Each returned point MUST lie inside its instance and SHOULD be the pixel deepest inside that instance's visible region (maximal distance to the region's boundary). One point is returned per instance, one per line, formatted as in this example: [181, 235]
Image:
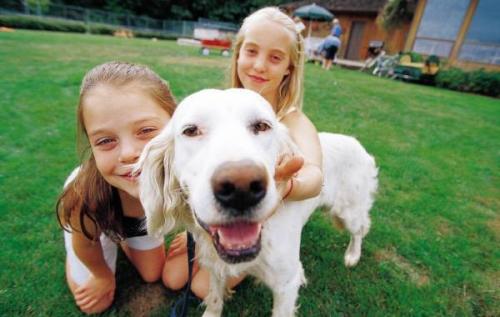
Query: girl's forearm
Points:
[91, 255]
[307, 183]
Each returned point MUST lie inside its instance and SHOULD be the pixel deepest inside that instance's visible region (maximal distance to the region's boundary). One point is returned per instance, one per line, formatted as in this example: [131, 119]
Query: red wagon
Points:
[215, 44]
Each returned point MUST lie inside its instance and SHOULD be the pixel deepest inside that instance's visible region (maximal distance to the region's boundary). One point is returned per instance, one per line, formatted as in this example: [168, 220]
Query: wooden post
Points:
[463, 30]
[417, 17]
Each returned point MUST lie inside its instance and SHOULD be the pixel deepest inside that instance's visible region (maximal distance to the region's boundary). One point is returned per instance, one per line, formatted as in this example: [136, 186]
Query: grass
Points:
[433, 248]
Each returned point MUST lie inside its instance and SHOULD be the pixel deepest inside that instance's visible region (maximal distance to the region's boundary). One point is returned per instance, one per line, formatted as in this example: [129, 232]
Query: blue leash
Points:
[183, 302]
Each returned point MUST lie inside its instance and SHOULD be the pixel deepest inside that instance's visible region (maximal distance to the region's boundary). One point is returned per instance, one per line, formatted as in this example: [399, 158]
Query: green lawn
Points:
[434, 245]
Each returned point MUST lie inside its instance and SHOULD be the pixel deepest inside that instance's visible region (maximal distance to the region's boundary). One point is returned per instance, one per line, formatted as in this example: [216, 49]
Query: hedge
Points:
[158, 35]
[42, 23]
[62, 25]
[477, 81]
[104, 29]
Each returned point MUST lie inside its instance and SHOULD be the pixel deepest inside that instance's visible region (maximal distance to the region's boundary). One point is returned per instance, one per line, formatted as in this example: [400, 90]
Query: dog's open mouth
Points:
[238, 241]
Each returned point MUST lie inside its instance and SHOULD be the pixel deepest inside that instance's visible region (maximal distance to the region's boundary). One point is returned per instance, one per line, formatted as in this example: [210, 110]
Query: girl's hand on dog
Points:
[178, 245]
[287, 167]
[94, 290]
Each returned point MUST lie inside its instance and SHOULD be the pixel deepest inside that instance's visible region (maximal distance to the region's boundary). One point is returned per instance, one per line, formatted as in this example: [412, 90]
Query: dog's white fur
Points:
[175, 189]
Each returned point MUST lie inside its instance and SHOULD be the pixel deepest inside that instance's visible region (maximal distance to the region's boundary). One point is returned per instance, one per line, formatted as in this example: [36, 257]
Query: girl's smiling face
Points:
[264, 59]
[119, 122]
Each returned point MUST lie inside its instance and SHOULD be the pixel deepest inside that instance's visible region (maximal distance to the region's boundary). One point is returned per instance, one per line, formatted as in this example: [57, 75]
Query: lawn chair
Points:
[384, 65]
[381, 65]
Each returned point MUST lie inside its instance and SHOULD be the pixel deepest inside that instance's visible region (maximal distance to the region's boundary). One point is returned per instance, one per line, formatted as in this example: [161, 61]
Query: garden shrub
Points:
[151, 34]
[453, 78]
[62, 25]
[39, 23]
[100, 28]
[483, 82]
[477, 81]
[416, 57]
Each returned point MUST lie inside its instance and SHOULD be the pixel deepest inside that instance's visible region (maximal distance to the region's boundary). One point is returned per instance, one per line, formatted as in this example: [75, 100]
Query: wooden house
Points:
[465, 33]
[358, 19]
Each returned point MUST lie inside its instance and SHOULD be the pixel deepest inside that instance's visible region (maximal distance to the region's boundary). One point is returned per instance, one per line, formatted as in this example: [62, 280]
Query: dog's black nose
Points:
[238, 186]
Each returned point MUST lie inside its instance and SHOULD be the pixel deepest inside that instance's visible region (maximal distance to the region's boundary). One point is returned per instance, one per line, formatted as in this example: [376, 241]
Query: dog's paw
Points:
[214, 307]
[353, 252]
[351, 260]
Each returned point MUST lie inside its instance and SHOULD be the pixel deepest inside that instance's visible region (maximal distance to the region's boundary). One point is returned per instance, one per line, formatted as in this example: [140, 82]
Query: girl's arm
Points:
[91, 255]
[308, 180]
[102, 281]
[87, 250]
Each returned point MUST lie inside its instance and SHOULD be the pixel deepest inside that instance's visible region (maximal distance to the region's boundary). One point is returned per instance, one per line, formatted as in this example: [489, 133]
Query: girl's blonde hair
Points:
[291, 90]
[89, 195]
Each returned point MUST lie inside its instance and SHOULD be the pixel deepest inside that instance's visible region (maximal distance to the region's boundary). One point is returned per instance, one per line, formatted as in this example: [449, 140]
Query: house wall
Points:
[393, 41]
[452, 60]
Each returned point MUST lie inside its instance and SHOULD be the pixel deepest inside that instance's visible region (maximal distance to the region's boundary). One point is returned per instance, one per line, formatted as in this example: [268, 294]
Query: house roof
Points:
[359, 6]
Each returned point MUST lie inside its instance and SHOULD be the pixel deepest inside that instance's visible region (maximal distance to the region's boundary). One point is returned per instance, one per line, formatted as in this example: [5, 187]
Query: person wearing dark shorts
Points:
[330, 52]
[328, 48]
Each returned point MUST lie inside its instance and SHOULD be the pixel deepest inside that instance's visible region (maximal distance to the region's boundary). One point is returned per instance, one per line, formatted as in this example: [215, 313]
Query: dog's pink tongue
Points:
[240, 235]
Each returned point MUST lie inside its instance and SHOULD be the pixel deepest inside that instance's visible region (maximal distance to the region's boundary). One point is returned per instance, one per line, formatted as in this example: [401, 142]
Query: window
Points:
[482, 41]
[439, 26]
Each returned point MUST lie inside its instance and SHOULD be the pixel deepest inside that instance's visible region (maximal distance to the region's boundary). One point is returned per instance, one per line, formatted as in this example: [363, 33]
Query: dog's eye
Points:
[260, 126]
[191, 131]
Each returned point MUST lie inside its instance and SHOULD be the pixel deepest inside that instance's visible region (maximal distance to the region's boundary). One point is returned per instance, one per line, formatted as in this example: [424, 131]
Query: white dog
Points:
[211, 169]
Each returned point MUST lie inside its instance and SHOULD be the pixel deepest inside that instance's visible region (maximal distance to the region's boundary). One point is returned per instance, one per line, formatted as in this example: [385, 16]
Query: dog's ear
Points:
[159, 190]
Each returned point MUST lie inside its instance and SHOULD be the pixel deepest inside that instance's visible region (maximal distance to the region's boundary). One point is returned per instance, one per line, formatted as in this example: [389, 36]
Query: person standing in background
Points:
[336, 28]
[328, 49]
[331, 45]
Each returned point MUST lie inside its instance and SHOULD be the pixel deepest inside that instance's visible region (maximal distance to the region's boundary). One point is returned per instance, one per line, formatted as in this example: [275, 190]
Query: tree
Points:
[229, 11]
[394, 14]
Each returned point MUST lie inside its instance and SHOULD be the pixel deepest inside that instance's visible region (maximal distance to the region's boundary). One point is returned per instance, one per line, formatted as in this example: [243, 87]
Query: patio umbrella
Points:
[313, 12]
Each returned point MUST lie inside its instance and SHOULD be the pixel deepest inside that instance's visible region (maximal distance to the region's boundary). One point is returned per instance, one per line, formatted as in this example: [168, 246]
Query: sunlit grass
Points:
[433, 247]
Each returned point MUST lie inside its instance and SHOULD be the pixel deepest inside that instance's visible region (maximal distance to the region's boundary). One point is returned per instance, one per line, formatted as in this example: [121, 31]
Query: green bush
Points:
[104, 29]
[483, 82]
[416, 57]
[39, 23]
[54, 24]
[453, 78]
[478, 81]
[151, 34]
[62, 25]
